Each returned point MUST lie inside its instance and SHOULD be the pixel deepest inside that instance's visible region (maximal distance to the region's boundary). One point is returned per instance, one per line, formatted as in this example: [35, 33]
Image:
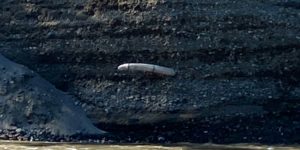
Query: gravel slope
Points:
[31, 107]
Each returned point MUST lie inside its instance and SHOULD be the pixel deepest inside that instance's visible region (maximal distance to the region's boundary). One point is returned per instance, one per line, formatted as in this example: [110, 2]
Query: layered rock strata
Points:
[234, 59]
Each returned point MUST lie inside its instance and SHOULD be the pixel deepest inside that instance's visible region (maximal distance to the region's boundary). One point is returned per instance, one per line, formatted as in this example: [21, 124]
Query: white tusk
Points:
[147, 68]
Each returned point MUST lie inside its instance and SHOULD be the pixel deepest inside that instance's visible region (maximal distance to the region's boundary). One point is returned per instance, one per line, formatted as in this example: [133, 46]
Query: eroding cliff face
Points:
[234, 59]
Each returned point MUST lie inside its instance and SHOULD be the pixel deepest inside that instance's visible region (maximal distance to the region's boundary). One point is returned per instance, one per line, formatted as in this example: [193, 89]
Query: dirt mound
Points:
[31, 105]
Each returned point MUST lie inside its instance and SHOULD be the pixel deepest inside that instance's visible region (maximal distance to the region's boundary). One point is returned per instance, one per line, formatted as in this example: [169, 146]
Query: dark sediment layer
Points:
[235, 60]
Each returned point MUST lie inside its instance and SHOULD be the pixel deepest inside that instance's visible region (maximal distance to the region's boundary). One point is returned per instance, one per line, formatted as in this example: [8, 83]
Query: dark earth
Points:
[237, 64]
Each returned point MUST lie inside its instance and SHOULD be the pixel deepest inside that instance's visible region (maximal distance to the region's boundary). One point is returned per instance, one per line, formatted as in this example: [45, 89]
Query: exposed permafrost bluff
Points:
[236, 61]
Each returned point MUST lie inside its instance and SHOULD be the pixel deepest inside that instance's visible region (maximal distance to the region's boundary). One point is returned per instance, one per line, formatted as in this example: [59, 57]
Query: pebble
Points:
[19, 130]
[3, 137]
[31, 139]
[160, 138]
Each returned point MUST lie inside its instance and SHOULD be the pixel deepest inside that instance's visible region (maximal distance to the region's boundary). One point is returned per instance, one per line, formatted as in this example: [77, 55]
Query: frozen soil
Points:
[237, 64]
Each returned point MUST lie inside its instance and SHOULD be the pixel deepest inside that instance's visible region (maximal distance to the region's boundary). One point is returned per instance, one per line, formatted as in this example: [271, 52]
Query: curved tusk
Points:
[147, 68]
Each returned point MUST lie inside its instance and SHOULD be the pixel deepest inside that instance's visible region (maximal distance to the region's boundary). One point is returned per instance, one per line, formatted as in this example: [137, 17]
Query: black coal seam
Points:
[114, 5]
[123, 56]
[285, 76]
[193, 130]
[193, 3]
[56, 6]
[32, 28]
[117, 33]
[289, 4]
[218, 55]
[138, 31]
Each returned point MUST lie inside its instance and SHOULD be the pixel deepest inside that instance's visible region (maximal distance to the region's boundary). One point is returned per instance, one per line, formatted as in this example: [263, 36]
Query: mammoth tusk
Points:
[147, 68]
